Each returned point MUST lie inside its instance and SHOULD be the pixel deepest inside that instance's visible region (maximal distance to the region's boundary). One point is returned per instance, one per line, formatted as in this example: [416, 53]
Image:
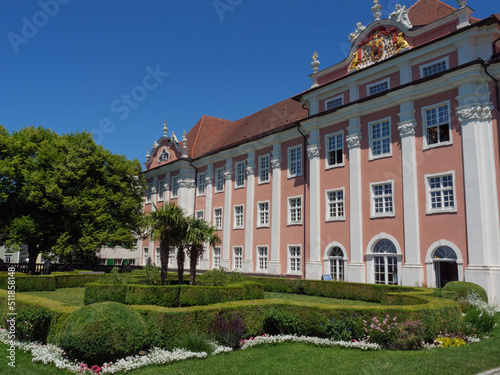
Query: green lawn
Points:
[299, 359]
[70, 296]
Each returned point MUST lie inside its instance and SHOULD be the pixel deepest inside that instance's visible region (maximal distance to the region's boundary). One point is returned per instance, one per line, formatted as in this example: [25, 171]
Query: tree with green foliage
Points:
[66, 195]
[198, 233]
[165, 224]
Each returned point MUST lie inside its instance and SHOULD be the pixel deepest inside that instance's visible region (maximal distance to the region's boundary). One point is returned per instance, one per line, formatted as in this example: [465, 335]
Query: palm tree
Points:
[198, 232]
[182, 245]
[164, 225]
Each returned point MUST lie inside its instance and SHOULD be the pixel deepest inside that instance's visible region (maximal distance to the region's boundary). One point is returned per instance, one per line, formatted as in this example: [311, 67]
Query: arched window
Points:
[336, 258]
[163, 155]
[386, 265]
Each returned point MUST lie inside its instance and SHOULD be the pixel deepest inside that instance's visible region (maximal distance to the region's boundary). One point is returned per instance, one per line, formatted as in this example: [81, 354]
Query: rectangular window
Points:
[434, 67]
[161, 190]
[441, 193]
[335, 205]
[263, 214]
[148, 194]
[145, 256]
[334, 102]
[200, 215]
[294, 258]
[216, 258]
[200, 184]
[175, 186]
[171, 257]
[238, 217]
[378, 87]
[437, 125]
[263, 169]
[382, 203]
[219, 180]
[240, 175]
[262, 257]
[238, 257]
[218, 218]
[335, 150]
[295, 210]
[295, 161]
[158, 260]
[380, 139]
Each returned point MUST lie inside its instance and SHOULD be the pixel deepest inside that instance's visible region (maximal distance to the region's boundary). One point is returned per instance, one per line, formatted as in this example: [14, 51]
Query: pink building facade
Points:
[384, 171]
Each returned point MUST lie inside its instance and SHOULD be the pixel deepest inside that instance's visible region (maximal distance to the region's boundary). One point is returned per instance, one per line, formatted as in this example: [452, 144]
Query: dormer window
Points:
[163, 155]
[434, 67]
[334, 102]
[378, 87]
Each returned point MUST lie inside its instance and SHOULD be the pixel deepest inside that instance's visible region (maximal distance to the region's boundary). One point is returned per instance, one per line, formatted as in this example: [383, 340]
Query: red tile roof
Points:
[424, 12]
[212, 134]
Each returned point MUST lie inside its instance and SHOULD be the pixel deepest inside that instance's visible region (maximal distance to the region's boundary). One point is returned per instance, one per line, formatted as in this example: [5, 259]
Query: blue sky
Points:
[122, 67]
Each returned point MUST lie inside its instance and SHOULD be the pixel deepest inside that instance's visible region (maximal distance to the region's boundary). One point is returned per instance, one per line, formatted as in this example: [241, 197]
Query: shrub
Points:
[409, 335]
[33, 324]
[479, 314]
[228, 329]
[215, 277]
[462, 287]
[339, 329]
[282, 321]
[103, 332]
[381, 331]
[196, 342]
[104, 293]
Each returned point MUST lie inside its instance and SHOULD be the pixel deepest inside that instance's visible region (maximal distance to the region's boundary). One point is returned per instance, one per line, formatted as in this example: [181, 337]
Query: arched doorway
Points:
[336, 260]
[445, 265]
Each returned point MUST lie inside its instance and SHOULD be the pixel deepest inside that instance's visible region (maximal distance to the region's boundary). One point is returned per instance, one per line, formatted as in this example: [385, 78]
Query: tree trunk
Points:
[193, 256]
[180, 265]
[164, 249]
[33, 252]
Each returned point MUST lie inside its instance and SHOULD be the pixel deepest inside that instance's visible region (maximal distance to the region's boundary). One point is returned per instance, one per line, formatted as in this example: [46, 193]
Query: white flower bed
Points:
[51, 354]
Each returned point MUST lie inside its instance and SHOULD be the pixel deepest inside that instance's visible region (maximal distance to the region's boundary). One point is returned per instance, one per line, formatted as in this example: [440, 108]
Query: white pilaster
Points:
[314, 265]
[274, 262]
[412, 271]
[249, 216]
[187, 189]
[205, 261]
[481, 196]
[228, 210]
[356, 267]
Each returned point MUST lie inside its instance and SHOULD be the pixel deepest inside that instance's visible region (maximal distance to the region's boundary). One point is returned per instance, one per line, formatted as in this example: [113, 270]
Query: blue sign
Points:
[327, 277]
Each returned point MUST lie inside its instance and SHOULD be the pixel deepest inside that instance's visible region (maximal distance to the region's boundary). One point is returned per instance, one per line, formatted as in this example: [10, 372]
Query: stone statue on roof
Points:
[354, 35]
[400, 15]
[462, 3]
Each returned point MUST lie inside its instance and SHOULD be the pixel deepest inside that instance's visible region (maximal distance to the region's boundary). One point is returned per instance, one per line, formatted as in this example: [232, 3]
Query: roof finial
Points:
[376, 10]
[147, 154]
[462, 3]
[315, 63]
[174, 138]
[165, 129]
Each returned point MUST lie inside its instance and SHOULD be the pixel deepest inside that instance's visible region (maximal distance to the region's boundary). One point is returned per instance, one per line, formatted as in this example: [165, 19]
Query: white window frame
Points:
[296, 163]
[218, 227]
[239, 175]
[264, 170]
[289, 216]
[424, 127]
[219, 178]
[328, 150]
[198, 216]
[422, 67]
[383, 154]
[239, 218]
[237, 259]
[145, 255]
[216, 257]
[262, 260]
[336, 202]
[161, 191]
[171, 257]
[157, 257]
[294, 263]
[428, 191]
[374, 214]
[201, 184]
[381, 82]
[149, 193]
[261, 224]
[174, 192]
[334, 99]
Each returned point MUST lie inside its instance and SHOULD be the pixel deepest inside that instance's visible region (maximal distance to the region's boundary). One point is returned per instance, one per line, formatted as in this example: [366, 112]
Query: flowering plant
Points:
[379, 331]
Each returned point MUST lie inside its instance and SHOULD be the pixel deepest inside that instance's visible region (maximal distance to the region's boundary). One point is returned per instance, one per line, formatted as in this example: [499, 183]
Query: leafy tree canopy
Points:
[65, 194]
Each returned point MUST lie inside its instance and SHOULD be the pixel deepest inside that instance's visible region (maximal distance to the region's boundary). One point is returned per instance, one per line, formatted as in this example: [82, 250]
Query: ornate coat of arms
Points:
[379, 45]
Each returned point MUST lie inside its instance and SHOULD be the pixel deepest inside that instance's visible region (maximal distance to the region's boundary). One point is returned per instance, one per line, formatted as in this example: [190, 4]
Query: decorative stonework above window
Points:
[164, 156]
[379, 45]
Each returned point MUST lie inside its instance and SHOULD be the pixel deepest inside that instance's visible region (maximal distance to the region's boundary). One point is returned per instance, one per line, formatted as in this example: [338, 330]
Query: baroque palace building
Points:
[383, 171]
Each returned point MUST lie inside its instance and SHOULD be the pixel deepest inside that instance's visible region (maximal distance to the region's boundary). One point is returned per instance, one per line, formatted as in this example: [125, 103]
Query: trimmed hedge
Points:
[171, 296]
[460, 288]
[331, 289]
[36, 283]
